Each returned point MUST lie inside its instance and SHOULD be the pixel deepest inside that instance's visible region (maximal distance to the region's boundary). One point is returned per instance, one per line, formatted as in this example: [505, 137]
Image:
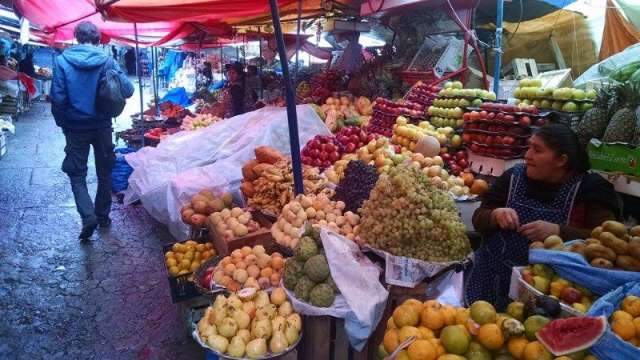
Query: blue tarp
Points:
[177, 96]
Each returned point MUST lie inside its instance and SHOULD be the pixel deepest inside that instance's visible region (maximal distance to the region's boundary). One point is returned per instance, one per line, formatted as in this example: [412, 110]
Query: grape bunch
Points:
[354, 189]
[406, 215]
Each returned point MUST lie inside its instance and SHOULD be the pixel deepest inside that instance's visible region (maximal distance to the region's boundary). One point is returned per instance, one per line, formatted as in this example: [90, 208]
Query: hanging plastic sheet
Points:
[167, 176]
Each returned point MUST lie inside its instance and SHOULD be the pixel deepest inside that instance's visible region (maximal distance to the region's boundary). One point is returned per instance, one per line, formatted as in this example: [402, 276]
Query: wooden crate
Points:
[261, 237]
[324, 338]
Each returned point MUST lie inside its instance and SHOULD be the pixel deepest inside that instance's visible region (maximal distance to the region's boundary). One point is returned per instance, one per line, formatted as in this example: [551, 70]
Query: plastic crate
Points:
[182, 287]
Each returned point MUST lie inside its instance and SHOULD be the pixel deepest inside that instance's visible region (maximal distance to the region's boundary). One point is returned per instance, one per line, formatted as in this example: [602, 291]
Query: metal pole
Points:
[156, 82]
[498, 49]
[260, 59]
[221, 63]
[139, 72]
[291, 101]
[295, 76]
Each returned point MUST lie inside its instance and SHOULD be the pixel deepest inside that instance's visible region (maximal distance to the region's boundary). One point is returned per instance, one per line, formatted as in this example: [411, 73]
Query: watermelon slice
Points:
[566, 336]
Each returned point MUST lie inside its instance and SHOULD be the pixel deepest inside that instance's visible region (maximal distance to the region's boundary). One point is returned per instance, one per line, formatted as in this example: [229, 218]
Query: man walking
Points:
[76, 74]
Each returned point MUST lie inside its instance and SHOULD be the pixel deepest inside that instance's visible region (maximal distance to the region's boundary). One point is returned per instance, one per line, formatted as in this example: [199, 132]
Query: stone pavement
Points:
[60, 299]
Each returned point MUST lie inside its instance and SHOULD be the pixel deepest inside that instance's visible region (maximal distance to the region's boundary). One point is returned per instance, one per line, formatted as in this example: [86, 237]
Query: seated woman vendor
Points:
[551, 194]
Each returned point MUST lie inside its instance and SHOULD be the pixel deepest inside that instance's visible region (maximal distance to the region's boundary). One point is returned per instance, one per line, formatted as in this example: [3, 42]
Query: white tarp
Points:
[165, 177]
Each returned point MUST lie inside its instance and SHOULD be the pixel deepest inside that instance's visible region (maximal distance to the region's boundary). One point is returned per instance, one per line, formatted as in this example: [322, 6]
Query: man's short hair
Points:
[87, 33]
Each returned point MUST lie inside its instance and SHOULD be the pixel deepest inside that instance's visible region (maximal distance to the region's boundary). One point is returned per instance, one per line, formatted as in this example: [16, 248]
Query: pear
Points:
[218, 343]
[261, 328]
[237, 347]
[294, 321]
[242, 319]
[291, 334]
[278, 342]
[245, 334]
[279, 323]
[285, 309]
[256, 348]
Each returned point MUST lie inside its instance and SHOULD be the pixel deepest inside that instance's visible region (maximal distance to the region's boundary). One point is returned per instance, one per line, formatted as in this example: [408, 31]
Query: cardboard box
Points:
[614, 157]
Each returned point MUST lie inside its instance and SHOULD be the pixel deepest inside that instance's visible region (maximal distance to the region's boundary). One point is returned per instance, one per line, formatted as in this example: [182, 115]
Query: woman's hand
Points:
[539, 230]
[506, 218]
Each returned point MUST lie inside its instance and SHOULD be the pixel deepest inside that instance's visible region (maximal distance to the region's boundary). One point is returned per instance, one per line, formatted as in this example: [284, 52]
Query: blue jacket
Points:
[75, 83]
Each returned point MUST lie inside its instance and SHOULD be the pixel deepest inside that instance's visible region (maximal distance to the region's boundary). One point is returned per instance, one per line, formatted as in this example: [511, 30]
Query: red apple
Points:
[491, 116]
[463, 163]
[350, 147]
[509, 118]
[500, 116]
[323, 155]
[525, 120]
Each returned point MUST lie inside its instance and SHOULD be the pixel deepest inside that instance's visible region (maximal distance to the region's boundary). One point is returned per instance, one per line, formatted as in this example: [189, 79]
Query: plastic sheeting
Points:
[167, 176]
[605, 67]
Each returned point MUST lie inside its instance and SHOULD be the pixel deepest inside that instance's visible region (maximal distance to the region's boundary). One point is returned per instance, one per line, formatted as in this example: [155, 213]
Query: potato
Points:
[635, 231]
[601, 263]
[611, 241]
[198, 220]
[536, 245]
[594, 251]
[187, 214]
[590, 241]
[200, 206]
[596, 232]
[628, 263]
[634, 248]
[614, 227]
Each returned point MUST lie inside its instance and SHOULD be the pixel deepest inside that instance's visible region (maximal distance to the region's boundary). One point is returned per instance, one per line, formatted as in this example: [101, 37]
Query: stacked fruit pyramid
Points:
[445, 332]
[531, 92]
[447, 109]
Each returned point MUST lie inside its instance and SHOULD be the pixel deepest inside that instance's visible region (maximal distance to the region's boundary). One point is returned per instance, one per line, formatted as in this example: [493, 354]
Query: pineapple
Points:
[623, 127]
[594, 121]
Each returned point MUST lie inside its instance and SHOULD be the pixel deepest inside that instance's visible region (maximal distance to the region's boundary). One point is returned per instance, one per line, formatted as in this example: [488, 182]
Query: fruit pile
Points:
[455, 163]
[246, 268]
[379, 152]
[445, 332]
[202, 205]
[407, 215]
[340, 112]
[545, 280]
[186, 257]
[335, 173]
[611, 246]
[613, 118]
[352, 138]
[499, 130]
[307, 273]
[231, 224]
[251, 324]
[321, 151]
[445, 117]
[422, 94]
[453, 92]
[173, 111]
[385, 113]
[315, 209]
[156, 134]
[358, 181]
[625, 321]
[408, 135]
[324, 84]
[531, 92]
[198, 121]
[268, 180]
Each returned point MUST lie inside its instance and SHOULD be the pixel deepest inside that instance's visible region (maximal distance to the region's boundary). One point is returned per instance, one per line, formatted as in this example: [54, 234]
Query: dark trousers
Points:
[75, 165]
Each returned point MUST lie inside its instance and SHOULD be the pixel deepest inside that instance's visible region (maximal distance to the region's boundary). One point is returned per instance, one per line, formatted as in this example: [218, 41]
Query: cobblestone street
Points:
[60, 299]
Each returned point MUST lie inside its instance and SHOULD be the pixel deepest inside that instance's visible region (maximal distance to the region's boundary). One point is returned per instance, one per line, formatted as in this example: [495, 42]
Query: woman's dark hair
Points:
[563, 141]
[87, 33]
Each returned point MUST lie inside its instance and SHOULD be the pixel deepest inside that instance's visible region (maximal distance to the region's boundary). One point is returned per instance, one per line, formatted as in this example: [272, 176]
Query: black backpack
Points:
[109, 98]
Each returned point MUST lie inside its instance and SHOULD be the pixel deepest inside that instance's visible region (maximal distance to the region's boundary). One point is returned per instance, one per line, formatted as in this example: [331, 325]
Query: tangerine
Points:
[406, 332]
[390, 340]
[391, 324]
[422, 350]
[462, 315]
[621, 315]
[490, 336]
[417, 304]
[636, 323]
[432, 318]
[406, 315]
[449, 314]
[631, 304]
[432, 304]
[516, 346]
[624, 328]
[536, 351]
[437, 343]
[426, 333]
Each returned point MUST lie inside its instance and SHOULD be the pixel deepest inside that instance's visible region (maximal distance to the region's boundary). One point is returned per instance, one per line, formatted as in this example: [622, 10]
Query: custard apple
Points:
[313, 233]
[317, 268]
[333, 284]
[306, 248]
[322, 295]
[303, 288]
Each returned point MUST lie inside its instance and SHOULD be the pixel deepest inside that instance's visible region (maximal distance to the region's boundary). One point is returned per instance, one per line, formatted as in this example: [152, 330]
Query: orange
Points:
[417, 304]
[406, 332]
[406, 315]
[432, 304]
[536, 351]
[624, 328]
[490, 336]
[403, 355]
[636, 323]
[621, 315]
[516, 346]
[634, 341]
[462, 315]
[391, 324]
[437, 344]
[390, 340]
[631, 304]
[426, 333]
[432, 318]
[422, 350]
[449, 314]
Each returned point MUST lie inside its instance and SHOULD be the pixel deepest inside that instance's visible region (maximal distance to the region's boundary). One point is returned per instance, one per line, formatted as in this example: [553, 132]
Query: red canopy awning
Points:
[207, 32]
[185, 10]
[57, 19]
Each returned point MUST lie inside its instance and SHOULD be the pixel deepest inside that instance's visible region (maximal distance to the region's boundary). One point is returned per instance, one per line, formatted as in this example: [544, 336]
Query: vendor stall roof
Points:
[58, 18]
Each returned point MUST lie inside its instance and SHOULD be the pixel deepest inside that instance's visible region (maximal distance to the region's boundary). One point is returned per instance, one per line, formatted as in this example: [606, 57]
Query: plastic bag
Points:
[166, 176]
[575, 268]
[362, 298]
[610, 346]
[605, 67]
